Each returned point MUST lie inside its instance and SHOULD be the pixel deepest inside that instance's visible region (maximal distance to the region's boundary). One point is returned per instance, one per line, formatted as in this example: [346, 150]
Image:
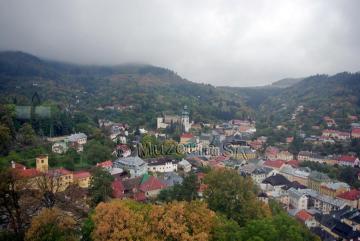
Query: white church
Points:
[167, 120]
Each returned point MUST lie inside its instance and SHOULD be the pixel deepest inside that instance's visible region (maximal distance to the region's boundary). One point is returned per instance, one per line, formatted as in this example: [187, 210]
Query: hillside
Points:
[336, 96]
[142, 91]
[287, 82]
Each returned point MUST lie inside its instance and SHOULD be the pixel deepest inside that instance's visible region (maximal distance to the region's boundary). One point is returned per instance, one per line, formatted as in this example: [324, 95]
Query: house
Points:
[316, 179]
[122, 150]
[285, 155]
[151, 186]
[329, 121]
[105, 164]
[355, 133]
[333, 189]
[134, 165]
[295, 174]
[161, 164]
[82, 178]
[184, 165]
[306, 218]
[59, 147]
[260, 173]
[352, 198]
[185, 138]
[271, 153]
[170, 179]
[79, 138]
[274, 184]
[62, 178]
[311, 156]
[347, 160]
[297, 200]
[276, 164]
[323, 203]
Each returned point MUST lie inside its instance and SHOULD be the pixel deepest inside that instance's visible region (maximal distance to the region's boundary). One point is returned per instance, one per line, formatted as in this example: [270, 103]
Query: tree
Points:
[27, 134]
[100, 185]
[9, 200]
[128, 220]
[281, 227]
[5, 139]
[234, 196]
[52, 225]
[187, 191]
[95, 152]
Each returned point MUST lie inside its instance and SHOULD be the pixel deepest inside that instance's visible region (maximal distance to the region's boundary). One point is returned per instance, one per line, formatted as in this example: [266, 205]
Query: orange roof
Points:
[104, 164]
[186, 135]
[274, 164]
[303, 215]
[81, 174]
[152, 183]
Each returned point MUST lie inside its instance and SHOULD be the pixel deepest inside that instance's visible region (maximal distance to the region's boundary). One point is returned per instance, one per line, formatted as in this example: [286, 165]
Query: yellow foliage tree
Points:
[127, 220]
[52, 224]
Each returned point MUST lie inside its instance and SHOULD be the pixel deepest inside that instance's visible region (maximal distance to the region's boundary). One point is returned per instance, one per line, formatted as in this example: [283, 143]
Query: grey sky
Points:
[238, 43]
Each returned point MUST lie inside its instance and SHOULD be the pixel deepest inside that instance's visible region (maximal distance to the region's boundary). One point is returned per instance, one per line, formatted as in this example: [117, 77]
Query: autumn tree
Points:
[234, 196]
[120, 220]
[128, 220]
[100, 185]
[52, 224]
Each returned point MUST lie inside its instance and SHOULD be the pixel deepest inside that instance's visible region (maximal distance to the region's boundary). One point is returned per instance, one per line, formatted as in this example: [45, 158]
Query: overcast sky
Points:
[237, 43]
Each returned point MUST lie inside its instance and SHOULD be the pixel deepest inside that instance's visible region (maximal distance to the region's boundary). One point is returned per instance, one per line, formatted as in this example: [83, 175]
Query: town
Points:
[328, 206]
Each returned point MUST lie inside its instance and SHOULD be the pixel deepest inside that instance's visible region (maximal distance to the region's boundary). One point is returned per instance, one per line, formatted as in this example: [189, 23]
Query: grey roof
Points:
[76, 136]
[170, 178]
[319, 176]
[327, 199]
[131, 161]
[184, 162]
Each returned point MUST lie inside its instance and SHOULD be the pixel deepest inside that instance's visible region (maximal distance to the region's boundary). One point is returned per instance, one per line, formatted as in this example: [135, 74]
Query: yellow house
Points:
[82, 178]
[333, 189]
[42, 163]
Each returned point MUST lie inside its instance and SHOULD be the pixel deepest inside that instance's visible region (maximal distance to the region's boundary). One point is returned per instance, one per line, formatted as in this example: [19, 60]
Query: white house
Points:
[297, 200]
[184, 165]
[134, 165]
[161, 165]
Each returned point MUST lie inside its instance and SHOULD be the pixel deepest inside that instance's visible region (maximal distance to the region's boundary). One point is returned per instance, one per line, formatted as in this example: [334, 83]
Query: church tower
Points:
[185, 119]
[42, 163]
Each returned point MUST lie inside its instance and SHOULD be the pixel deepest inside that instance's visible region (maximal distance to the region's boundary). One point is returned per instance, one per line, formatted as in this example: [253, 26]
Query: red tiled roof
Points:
[29, 173]
[118, 189]
[81, 174]
[303, 215]
[293, 163]
[186, 135]
[274, 164]
[351, 195]
[355, 131]
[59, 171]
[202, 187]
[139, 196]
[152, 183]
[104, 164]
[19, 166]
[345, 158]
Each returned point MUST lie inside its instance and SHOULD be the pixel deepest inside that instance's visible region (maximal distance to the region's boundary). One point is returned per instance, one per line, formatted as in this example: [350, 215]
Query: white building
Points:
[297, 200]
[134, 165]
[184, 165]
[78, 138]
[161, 165]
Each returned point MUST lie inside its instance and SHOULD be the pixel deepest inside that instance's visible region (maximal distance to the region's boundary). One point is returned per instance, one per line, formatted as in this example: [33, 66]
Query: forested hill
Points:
[336, 96]
[142, 91]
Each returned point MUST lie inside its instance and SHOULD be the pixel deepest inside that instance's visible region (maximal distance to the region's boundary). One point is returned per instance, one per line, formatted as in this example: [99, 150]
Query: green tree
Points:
[27, 135]
[5, 139]
[95, 151]
[100, 185]
[234, 196]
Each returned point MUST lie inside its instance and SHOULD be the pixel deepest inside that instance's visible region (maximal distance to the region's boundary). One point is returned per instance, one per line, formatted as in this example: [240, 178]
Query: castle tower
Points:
[42, 163]
[185, 119]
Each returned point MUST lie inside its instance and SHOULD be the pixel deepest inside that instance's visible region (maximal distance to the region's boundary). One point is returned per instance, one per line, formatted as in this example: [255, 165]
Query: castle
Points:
[167, 120]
